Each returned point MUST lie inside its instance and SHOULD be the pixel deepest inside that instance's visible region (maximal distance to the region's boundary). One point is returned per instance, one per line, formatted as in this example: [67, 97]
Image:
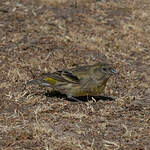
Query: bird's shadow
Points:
[80, 98]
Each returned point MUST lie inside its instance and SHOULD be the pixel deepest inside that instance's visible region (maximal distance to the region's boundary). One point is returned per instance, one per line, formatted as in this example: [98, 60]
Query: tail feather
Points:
[38, 82]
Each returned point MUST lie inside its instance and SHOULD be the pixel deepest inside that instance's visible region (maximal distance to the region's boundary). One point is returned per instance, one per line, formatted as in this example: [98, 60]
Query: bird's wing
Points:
[70, 77]
[62, 76]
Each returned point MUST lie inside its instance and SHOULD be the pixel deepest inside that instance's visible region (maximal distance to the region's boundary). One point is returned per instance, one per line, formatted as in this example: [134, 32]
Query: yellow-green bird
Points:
[80, 81]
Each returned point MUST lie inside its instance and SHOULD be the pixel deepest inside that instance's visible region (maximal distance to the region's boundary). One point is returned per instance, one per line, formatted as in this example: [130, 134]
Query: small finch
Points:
[80, 81]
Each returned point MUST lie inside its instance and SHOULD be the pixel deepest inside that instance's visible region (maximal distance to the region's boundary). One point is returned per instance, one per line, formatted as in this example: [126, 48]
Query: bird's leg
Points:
[87, 97]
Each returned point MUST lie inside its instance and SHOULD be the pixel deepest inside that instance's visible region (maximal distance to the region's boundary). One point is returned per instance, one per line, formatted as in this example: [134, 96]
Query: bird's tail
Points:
[38, 82]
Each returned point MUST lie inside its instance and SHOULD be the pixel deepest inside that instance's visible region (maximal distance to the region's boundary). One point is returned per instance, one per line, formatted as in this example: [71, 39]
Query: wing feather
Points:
[62, 76]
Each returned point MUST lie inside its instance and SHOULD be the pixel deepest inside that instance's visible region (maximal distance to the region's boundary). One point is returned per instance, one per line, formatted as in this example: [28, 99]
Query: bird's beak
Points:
[113, 71]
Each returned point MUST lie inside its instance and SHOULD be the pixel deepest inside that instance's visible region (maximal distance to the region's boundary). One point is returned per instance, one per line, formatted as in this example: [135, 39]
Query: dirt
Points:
[44, 36]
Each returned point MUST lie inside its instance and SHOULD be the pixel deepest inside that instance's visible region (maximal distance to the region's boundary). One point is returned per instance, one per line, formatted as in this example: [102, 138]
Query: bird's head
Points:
[104, 70]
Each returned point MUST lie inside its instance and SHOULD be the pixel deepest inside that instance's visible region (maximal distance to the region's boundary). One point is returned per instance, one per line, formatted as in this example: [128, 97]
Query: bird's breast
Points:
[94, 90]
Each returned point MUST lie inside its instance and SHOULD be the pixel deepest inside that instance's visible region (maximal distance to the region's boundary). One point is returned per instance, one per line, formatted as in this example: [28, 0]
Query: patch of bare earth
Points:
[40, 36]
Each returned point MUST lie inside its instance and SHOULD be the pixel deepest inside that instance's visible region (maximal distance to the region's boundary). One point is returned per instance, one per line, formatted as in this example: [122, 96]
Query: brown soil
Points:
[37, 36]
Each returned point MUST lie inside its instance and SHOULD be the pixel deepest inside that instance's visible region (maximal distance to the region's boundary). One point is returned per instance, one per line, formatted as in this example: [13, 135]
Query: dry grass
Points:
[40, 36]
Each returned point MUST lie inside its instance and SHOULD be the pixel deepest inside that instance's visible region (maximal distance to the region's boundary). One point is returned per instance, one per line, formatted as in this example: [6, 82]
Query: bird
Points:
[88, 80]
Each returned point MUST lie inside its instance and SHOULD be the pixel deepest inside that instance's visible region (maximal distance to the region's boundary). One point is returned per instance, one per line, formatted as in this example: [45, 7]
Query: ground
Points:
[37, 36]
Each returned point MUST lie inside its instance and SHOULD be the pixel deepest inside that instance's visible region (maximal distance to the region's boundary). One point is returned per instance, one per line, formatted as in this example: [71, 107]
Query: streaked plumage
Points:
[80, 81]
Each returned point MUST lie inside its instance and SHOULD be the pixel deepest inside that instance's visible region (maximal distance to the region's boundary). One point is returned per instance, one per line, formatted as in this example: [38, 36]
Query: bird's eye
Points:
[104, 69]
